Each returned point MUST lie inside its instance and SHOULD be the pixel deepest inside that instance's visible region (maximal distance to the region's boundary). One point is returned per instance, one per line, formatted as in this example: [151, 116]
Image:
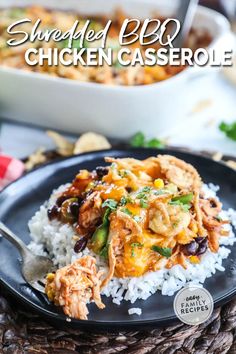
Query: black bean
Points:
[191, 248]
[101, 171]
[81, 244]
[53, 212]
[80, 201]
[202, 249]
[199, 239]
[74, 208]
[213, 203]
[128, 189]
[61, 199]
[205, 241]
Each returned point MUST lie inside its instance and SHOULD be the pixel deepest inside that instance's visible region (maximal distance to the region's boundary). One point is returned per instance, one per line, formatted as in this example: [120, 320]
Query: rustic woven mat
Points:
[22, 332]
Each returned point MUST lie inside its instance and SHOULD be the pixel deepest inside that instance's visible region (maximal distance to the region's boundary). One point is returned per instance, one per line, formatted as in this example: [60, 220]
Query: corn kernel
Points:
[83, 174]
[50, 276]
[158, 183]
[194, 259]
[182, 233]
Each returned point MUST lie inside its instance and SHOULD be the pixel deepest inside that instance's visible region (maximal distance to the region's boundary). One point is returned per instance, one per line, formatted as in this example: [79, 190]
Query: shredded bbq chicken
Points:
[74, 286]
[186, 177]
[90, 211]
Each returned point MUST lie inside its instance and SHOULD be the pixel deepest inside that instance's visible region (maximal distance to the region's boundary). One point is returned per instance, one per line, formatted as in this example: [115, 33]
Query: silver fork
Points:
[185, 15]
[33, 268]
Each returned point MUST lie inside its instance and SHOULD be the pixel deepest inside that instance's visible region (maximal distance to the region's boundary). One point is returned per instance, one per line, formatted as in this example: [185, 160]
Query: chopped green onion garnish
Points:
[126, 211]
[133, 246]
[146, 189]
[143, 203]
[164, 251]
[126, 200]
[110, 203]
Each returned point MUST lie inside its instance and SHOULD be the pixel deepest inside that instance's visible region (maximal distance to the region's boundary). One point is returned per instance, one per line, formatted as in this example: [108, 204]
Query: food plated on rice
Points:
[129, 229]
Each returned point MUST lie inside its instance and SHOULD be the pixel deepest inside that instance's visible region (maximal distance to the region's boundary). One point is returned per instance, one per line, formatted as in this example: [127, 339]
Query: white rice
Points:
[58, 240]
[135, 311]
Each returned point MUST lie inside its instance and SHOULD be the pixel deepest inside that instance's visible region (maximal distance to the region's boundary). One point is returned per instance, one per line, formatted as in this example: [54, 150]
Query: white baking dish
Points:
[116, 111]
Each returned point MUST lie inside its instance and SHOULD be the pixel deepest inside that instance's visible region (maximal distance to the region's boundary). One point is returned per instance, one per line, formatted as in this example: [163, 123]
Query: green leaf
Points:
[164, 251]
[110, 203]
[185, 207]
[155, 143]
[183, 199]
[138, 140]
[229, 129]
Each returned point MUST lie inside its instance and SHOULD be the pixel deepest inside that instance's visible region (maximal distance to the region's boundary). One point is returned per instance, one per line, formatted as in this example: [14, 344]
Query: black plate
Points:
[20, 200]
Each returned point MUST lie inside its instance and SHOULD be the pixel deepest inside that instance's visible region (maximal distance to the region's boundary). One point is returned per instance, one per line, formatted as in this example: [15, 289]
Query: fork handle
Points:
[15, 240]
[185, 15]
